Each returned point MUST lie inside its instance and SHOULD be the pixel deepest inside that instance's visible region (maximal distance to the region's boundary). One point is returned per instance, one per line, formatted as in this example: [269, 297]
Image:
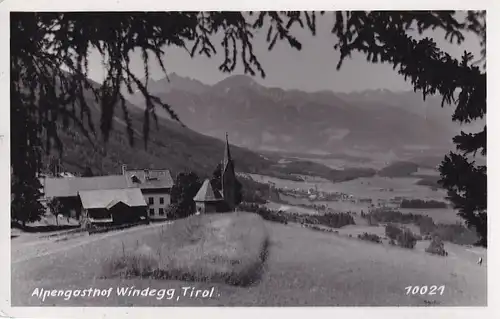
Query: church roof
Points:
[207, 193]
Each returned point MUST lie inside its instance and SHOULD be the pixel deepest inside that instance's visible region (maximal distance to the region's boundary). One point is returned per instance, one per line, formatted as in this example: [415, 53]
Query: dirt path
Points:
[304, 268]
[41, 246]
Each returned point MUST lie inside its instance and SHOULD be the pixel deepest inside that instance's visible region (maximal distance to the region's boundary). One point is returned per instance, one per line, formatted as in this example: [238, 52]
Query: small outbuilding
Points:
[113, 206]
[208, 200]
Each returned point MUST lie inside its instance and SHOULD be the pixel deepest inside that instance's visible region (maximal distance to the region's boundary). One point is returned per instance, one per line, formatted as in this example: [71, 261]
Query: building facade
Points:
[155, 185]
[158, 202]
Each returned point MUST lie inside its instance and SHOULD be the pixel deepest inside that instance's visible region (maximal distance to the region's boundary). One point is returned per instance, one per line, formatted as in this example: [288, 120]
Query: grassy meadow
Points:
[304, 268]
[220, 247]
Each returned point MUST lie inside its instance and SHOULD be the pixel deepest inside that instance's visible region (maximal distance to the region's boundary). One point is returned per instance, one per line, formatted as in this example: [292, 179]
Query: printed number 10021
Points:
[424, 290]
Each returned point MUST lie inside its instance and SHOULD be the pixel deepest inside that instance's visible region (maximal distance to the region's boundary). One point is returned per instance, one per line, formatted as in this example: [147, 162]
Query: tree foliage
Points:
[50, 86]
[55, 206]
[25, 204]
[383, 37]
[406, 239]
[184, 190]
[88, 172]
[436, 247]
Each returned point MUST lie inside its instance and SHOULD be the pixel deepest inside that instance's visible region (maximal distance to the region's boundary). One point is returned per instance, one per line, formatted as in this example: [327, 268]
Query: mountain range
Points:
[263, 118]
[174, 147]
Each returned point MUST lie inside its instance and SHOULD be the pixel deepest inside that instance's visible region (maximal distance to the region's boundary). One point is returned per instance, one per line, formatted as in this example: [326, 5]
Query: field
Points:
[304, 268]
[376, 188]
[373, 187]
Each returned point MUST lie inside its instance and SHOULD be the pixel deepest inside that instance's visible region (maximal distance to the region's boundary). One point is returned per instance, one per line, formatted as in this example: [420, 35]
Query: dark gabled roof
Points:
[158, 178]
[207, 193]
[70, 186]
[108, 198]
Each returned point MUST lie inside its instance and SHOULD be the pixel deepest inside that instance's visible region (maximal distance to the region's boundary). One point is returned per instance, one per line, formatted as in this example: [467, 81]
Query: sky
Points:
[311, 69]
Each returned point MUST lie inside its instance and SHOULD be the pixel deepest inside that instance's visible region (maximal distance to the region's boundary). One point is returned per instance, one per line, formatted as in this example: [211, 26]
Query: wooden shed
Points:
[113, 206]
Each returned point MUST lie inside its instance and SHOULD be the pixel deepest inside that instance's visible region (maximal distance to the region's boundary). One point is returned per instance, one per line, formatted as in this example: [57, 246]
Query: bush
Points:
[436, 247]
[392, 231]
[175, 211]
[456, 233]
[370, 237]
[388, 215]
[265, 213]
[419, 203]
[334, 220]
[406, 239]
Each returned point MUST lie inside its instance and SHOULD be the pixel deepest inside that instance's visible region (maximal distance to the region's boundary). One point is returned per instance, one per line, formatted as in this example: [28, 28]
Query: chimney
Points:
[124, 169]
[146, 173]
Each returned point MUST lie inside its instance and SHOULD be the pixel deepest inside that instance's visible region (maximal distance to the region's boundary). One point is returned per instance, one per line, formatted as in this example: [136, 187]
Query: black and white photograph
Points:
[248, 158]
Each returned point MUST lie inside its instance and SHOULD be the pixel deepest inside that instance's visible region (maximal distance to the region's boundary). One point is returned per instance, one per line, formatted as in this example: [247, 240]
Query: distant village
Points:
[313, 195]
[135, 195]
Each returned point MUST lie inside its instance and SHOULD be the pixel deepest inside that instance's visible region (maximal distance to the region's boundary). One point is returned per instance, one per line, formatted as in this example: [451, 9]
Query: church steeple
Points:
[228, 177]
[227, 154]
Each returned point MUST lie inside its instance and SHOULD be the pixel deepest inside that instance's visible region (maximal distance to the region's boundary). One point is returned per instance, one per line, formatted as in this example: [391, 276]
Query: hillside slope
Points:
[169, 146]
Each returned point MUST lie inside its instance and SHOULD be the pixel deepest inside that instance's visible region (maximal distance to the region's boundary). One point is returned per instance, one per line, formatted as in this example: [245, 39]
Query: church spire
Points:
[228, 177]
[227, 154]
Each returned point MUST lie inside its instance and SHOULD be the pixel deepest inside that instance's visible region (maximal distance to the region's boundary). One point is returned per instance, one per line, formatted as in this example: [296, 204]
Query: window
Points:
[161, 200]
[135, 179]
[151, 212]
[161, 212]
[151, 201]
